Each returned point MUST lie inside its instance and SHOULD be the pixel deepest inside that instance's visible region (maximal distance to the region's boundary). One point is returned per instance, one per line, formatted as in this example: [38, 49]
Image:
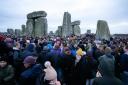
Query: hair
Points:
[108, 50]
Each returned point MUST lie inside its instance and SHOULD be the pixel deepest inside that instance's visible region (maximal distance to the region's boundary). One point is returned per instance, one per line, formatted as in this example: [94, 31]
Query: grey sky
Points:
[115, 12]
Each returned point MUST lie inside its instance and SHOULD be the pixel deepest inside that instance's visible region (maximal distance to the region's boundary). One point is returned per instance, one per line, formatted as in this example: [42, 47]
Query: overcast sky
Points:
[115, 12]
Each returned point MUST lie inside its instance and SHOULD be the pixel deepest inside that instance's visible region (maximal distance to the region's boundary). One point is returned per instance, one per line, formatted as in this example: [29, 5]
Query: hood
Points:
[30, 47]
[106, 66]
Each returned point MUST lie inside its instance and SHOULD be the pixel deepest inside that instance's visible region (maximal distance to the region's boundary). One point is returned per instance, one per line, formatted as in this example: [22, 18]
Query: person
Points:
[54, 58]
[67, 66]
[31, 73]
[124, 65]
[50, 74]
[106, 69]
[29, 51]
[6, 72]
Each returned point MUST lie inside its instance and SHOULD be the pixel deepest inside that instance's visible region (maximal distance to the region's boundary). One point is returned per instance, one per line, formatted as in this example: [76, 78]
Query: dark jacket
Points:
[7, 75]
[29, 76]
[124, 62]
[29, 51]
[68, 67]
[106, 68]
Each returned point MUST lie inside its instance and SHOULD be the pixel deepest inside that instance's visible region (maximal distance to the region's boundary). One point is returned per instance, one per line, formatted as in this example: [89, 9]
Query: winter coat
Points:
[43, 56]
[7, 75]
[124, 62]
[106, 68]
[68, 67]
[54, 57]
[29, 51]
[29, 76]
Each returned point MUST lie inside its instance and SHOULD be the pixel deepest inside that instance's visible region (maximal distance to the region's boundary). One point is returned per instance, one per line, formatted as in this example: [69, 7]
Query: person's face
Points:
[125, 50]
[3, 64]
[26, 65]
[68, 52]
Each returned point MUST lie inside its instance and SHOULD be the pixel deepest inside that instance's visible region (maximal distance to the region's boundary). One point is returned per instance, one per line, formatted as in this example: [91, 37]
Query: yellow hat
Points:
[79, 52]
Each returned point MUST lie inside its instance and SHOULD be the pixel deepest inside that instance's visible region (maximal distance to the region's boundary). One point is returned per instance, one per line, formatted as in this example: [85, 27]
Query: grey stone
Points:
[36, 14]
[51, 33]
[67, 28]
[57, 33]
[29, 27]
[40, 27]
[23, 30]
[60, 31]
[76, 23]
[10, 31]
[76, 28]
[17, 32]
[102, 31]
[88, 31]
[36, 24]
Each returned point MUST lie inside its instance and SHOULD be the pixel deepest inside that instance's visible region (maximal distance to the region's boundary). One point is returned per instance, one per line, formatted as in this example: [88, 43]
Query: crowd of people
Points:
[63, 61]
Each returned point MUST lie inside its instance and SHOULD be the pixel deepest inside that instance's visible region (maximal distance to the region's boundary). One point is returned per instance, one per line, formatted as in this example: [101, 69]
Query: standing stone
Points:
[23, 30]
[76, 28]
[57, 33]
[51, 33]
[67, 28]
[41, 26]
[10, 31]
[88, 31]
[60, 33]
[37, 24]
[102, 31]
[17, 32]
[29, 27]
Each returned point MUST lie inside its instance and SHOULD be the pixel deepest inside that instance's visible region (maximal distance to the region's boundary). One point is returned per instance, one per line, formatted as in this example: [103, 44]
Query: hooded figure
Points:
[50, 74]
[6, 72]
[31, 72]
[29, 51]
[106, 68]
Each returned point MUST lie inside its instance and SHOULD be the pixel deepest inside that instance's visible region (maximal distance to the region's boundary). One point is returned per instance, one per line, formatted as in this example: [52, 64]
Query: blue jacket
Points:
[29, 76]
[29, 51]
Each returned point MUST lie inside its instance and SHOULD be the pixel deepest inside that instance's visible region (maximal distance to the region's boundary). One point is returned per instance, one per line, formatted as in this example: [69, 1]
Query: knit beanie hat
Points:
[29, 60]
[50, 73]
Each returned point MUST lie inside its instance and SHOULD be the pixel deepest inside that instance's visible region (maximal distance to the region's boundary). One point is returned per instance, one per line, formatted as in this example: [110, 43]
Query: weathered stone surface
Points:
[102, 31]
[23, 29]
[67, 28]
[36, 14]
[56, 33]
[10, 31]
[29, 27]
[60, 33]
[76, 28]
[88, 31]
[51, 33]
[40, 27]
[76, 23]
[36, 25]
[17, 32]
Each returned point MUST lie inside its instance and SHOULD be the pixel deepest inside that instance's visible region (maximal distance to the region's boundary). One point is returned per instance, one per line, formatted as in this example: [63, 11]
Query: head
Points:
[29, 61]
[30, 47]
[67, 51]
[108, 50]
[106, 67]
[3, 62]
[126, 48]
